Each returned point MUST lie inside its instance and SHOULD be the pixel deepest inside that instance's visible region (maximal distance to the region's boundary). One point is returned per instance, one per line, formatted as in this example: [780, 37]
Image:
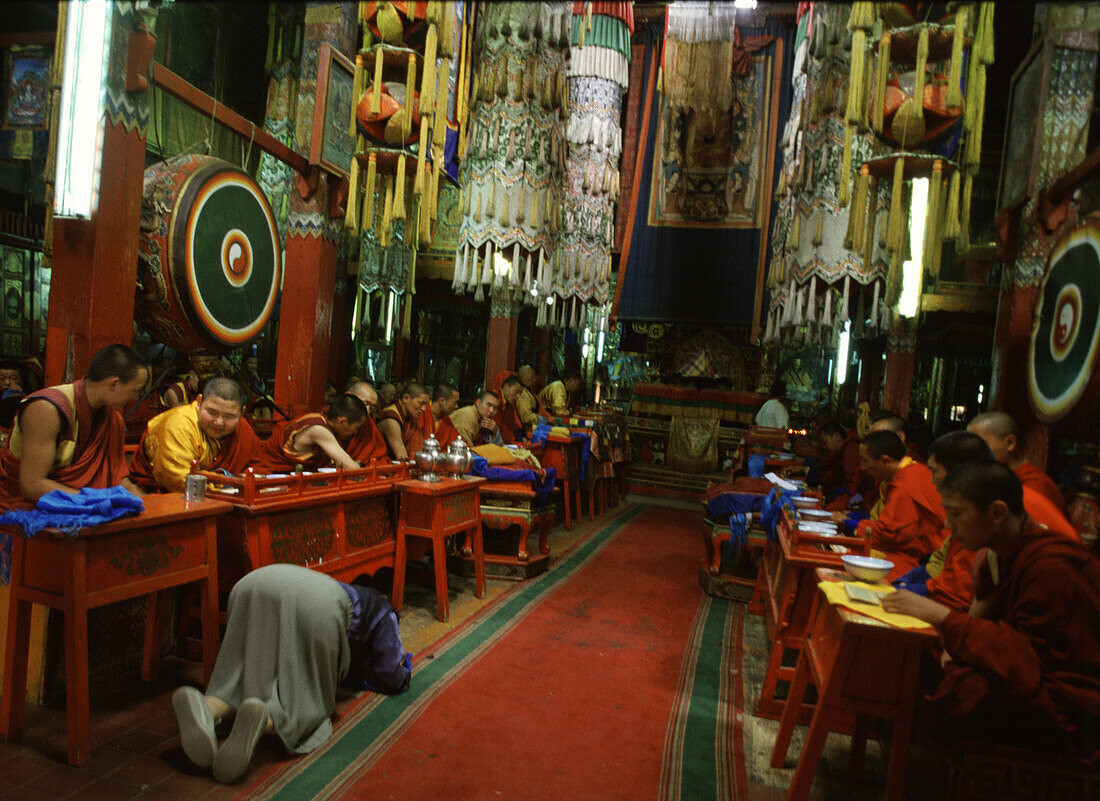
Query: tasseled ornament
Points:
[427, 81]
[421, 157]
[439, 116]
[874, 307]
[844, 307]
[410, 90]
[799, 298]
[794, 231]
[473, 277]
[521, 203]
[505, 207]
[479, 295]
[351, 215]
[465, 274]
[491, 208]
[894, 277]
[854, 110]
[447, 30]
[983, 40]
[845, 168]
[488, 268]
[872, 223]
[769, 329]
[951, 216]
[387, 213]
[399, 190]
[533, 218]
[811, 301]
[368, 193]
[878, 109]
[527, 143]
[376, 87]
[356, 93]
[817, 239]
[964, 214]
[897, 223]
[953, 97]
[858, 211]
[932, 239]
[908, 127]
[972, 146]
[827, 308]
[781, 187]
[514, 270]
[527, 272]
[424, 221]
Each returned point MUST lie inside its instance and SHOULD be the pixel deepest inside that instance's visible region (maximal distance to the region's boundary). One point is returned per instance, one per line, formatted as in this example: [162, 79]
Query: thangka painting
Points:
[710, 176]
[27, 88]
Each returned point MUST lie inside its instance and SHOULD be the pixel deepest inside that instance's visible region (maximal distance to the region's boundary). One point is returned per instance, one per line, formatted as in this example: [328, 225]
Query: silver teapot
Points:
[458, 458]
[429, 459]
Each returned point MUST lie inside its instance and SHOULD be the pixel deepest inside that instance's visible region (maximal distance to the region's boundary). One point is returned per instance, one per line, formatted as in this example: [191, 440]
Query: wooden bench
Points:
[513, 509]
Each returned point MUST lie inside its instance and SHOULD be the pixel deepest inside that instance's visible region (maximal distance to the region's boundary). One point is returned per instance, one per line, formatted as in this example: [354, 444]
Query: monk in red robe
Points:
[71, 436]
[209, 431]
[1029, 670]
[508, 389]
[366, 445]
[909, 526]
[1003, 436]
[435, 420]
[400, 421]
[884, 420]
[312, 441]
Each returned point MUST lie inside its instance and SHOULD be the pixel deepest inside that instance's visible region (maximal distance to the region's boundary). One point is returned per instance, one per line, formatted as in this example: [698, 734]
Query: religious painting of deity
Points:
[26, 87]
[331, 146]
[709, 169]
[13, 302]
[41, 292]
[1026, 99]
[13, 259]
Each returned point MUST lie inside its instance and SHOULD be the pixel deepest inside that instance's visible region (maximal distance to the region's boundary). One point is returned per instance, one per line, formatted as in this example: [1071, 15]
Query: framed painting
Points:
[1026, 100]
[13, 260]
[27, 87]
[13, 302]
[331, 147]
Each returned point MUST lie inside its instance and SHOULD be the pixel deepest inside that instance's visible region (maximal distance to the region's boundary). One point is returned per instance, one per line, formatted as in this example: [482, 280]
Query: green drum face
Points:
[209, 268]
[1065, 337]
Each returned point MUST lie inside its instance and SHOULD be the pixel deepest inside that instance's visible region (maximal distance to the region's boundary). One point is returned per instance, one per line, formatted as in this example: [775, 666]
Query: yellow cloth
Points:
[527, 405]
[559, 431]
[555, 397]
[496, 454]
[65, 447]
[838, 596]
[172, 440]
[938, 559]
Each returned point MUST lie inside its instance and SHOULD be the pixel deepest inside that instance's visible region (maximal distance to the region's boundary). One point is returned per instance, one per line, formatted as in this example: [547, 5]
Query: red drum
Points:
[209, 266]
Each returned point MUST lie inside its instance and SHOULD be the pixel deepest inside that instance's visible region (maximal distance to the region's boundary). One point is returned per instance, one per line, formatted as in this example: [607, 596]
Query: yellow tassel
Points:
[845, 167]
[491, 206]
[938, 252]
[857, 214]
[894, 278]
[439, 118]
[362, 11]
[872, 223]
[983, 41]
[447, 31]
[954, 74]
[897, 222]
[880, 82]
[433, 195]
[387, 213]
[376, 87]
[951, 216]
[862, 16]
[932, 218]
[351, 215]
[533, 218]
[356, 93]
[425, 221]
[269, 61]
[399, 190]
[794, 232]
[421, 157]
[964, 215]
[781, 188]
[817, 240]
[368, 197]
[972, 151]
[410, 89]
[855, 78]
[505, 212]
[864, 123]
[427, 83]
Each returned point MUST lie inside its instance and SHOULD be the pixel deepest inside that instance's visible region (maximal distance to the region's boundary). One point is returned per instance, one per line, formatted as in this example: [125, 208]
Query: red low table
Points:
[435, 511]
[173, 542]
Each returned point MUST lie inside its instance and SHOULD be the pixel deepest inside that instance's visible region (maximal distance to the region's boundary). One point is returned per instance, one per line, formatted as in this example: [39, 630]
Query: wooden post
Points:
[900, 362]
[501, 354]
[1008, 368]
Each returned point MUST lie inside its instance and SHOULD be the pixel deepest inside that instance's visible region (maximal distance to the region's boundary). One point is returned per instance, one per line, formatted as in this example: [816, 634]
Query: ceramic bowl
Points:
[867, 568]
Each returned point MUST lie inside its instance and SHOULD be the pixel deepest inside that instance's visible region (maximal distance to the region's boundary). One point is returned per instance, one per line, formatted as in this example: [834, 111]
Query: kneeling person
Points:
[314, 440]
[209, 431]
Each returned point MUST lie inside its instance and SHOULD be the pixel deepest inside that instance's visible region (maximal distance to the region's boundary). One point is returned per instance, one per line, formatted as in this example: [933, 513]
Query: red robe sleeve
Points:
[1038, 480]
[367, 445]
[1043, 512]
[954, 586]
[910, 525]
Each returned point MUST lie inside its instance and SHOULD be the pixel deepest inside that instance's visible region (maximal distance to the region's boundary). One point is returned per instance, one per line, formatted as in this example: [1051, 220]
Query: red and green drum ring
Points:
[1065, 337]
[231, 256]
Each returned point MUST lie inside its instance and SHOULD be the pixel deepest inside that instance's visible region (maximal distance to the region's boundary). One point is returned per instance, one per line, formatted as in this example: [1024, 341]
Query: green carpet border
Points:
[376, 725]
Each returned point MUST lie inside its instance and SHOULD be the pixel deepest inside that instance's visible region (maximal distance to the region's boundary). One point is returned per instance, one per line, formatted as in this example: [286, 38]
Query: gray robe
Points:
[286, 643]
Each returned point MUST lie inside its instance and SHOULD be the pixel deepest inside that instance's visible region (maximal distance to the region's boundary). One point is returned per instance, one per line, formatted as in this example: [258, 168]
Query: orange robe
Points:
[235, 454]
[910, 525]
[98, 458]
[1038, 480]
[278, 455]
[410, 429]
[1034, 661]
[444, 430]
[367, 444]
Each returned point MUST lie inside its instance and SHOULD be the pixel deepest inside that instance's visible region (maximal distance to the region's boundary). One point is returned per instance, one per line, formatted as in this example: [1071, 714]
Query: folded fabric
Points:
[495, 454]
[69, 513]
[773, 505]
[738, 533]
[559, 431]
[541, 432]
[541, 482]
[838, 596]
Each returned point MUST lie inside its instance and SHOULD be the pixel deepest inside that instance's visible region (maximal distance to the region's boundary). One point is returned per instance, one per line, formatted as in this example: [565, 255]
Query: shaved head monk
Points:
[947, 577]
[476, 422]
[909, 527]
[1003, 437]
[367, 444]
[209, 431]
[71, 436]
[435, 420]
[311, 441]
[528, 407]
[555, 396]
[508, 388]
[1029, 671]
[400, 421]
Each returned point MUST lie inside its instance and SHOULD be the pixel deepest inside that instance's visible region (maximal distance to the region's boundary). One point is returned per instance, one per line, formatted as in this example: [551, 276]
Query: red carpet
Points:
[571, 703]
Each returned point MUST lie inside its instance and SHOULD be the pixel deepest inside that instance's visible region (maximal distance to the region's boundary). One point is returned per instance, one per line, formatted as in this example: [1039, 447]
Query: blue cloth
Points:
[70, 513]
[773, 506]
[730, 503]
[739, 534]
[584, 451]
[916, 580]
[379, 661]
[542, 486]
[756, 466]
[541, 432]
[854, 518]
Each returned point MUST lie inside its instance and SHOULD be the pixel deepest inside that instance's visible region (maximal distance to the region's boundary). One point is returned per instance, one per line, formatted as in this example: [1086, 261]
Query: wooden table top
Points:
[160, 509]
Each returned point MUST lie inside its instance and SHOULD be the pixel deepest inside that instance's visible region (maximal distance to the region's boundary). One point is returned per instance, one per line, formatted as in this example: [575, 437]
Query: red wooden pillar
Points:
[502, 347]
[900, 361]
[94, 261]
[542, 358]
[870, 372]
[1008, 384]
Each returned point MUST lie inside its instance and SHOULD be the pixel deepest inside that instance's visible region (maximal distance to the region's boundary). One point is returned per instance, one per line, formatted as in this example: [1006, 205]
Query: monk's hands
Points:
[904, 602]
[839, 517]
[488, 423]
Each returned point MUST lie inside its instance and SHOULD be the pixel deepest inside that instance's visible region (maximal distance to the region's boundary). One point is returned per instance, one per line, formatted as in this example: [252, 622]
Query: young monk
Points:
[209, 431]
[71, 436]
[528, 406]
[1002, 435]
[909, 526]
[1029, 672]
[556, 395]
[508, 388]
[367, 444]
[312, 440]
[400, 421]
[476, 422]
[435, 420]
